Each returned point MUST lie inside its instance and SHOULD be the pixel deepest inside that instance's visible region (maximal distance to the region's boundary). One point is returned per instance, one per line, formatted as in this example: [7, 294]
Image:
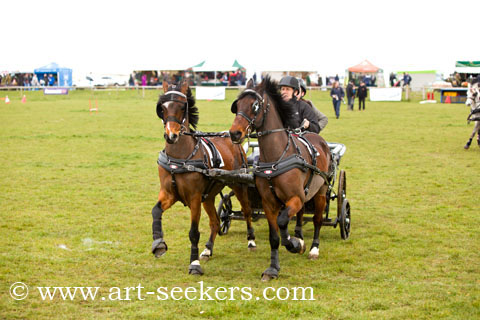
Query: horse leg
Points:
[320, 204]
[469, 142]
[477, 128]
[209, 206]
[272, 271]
[242, 195]
[194, 235]
[299, 224]
[292, 244]
[165, 201]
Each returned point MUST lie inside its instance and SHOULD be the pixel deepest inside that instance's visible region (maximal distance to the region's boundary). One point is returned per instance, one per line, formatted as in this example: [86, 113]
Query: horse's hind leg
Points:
[476, 130]
[242, 195]
[194, 235]
[165, 201]
[320, 204]
[209, 206]
[292, 244]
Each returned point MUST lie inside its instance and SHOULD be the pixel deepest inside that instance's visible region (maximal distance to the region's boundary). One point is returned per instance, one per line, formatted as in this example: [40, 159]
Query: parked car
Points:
[107, 81]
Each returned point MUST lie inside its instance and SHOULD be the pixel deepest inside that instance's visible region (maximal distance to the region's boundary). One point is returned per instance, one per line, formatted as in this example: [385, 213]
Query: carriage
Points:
[227, 213]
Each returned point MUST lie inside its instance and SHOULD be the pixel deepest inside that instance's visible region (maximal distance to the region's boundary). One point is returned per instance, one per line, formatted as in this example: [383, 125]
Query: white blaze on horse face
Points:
[169, 127]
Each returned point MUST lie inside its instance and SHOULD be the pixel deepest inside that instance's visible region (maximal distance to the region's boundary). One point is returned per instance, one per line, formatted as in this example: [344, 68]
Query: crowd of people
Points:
[27, 80]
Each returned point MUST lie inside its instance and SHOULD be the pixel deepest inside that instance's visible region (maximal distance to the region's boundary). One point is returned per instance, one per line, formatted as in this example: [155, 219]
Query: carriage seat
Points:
[254, 156]
[337, 150]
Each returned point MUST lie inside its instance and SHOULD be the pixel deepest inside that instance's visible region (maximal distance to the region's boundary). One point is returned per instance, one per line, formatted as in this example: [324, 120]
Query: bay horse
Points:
[182, 167]
[261, 108]
[473, 101]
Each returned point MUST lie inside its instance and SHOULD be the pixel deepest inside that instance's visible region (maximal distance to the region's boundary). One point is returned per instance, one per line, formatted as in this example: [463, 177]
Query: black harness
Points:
[270, 170]
[178, 166]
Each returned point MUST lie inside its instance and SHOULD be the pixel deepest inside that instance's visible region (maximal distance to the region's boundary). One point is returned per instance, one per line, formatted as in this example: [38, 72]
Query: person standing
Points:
[350, 95]
[362, 93]
[337, 95]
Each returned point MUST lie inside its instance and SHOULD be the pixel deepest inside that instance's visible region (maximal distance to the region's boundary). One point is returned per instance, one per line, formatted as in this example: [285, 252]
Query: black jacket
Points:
[350, 92]
[304, 111]
[362, 92]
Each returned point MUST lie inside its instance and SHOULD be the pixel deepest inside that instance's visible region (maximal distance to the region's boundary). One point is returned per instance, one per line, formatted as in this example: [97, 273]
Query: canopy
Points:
[364, 67]
[64, 75]
[212, 66]
[467, 66]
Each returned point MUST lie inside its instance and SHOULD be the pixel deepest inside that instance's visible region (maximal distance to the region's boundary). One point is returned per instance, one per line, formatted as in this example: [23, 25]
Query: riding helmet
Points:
[302, 85]
[289, 81]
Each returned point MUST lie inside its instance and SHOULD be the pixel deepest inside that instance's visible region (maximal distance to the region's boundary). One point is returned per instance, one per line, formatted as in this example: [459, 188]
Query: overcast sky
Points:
[326, 36]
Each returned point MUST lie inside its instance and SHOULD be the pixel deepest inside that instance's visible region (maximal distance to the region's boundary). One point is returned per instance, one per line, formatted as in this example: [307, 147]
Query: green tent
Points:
[467, 64]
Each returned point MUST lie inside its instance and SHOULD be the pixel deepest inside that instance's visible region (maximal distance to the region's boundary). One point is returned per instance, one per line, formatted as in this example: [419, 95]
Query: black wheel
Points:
[345, 220]
[224, 212]
[342, 191]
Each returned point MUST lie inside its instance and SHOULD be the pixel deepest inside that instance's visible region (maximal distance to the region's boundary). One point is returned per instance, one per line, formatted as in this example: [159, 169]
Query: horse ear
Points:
[184, 87]
[250, 84]
[159, 110]
[233, 108]
[165, 86]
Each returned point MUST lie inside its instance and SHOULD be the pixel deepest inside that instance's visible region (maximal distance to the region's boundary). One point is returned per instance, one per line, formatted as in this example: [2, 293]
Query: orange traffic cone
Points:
[7, 100]
[447, 100]
[24, 99]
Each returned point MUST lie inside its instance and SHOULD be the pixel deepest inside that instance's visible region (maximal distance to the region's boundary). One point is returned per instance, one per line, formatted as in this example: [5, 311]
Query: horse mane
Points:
[271, 88]
[193, 116]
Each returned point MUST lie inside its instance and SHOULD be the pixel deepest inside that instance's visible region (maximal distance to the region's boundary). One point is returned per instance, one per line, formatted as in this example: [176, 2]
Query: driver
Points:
[289, 88]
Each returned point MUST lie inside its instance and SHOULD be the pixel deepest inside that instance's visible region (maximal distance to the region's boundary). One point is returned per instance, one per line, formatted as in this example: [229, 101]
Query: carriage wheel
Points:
[342, 191]
[345, 220]
[224, 211]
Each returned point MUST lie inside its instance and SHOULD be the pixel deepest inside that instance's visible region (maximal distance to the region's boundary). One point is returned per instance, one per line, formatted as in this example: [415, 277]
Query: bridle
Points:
[185, 108]
[257, 107]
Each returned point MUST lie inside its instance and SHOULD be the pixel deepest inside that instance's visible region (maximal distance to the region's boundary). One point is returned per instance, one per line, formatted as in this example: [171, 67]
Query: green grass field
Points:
[77, 191]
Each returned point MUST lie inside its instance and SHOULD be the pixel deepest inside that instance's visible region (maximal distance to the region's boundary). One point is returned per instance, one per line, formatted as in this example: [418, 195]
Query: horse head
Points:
[473, 96]
[248, 113]
[177, 111]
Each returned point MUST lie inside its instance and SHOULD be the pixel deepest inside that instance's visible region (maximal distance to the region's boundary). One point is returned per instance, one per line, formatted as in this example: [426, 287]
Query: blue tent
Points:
[64, 75]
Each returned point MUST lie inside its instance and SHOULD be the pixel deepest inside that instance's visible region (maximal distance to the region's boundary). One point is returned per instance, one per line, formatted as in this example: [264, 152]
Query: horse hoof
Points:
[270, 274]
[159, 248]
[252, 245]
[313, 255]
[466, 147]
[205, 255]
[195, 269]
[297, 245]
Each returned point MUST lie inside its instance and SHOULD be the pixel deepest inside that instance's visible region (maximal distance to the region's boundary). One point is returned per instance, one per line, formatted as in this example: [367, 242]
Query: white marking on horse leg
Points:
[195, 263]
[206, 253]
[313, 253]
[251, 244]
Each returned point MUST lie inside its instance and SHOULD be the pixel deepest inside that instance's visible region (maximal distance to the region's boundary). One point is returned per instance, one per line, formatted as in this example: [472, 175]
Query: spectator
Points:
[350, 95]
[393, 79]
[337, 78]
[406, 79]
[144, 80]
[131, 80]
[45, 80]
[51, 80]
[337, 95]
[362, 92]
[35, 82]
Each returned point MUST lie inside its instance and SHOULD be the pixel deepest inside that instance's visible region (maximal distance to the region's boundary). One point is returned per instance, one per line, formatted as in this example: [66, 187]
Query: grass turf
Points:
[77, 190]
